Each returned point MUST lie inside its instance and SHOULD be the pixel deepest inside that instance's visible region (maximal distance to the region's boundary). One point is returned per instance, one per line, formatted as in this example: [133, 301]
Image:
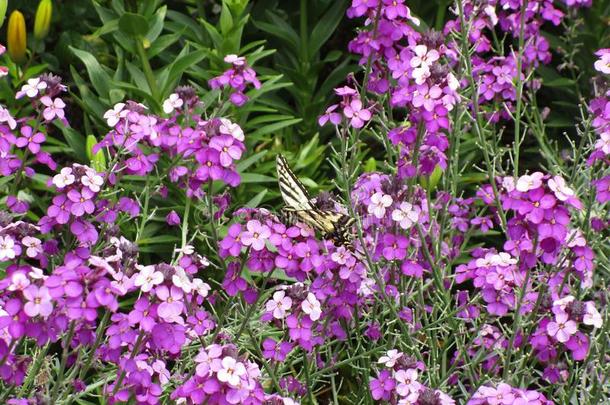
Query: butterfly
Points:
[300, 207]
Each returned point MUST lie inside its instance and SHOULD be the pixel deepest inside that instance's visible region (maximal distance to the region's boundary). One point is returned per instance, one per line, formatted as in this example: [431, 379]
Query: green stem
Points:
[64, 358]
[33, 371]
[148, 72]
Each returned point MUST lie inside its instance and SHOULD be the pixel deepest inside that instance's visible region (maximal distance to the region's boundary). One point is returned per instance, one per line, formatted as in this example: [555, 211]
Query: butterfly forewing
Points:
[293, 192]
[299, 207]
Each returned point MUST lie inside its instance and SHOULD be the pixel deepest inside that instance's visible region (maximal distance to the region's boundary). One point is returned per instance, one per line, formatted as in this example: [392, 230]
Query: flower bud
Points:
[42, 22]
[16, 37]
[3, 6]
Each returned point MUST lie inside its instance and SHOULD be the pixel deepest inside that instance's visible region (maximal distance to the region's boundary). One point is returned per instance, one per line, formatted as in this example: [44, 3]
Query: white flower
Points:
[229, 128]
[32, 88]
[423, 56]
[185, 250]
[172, 102]
[235, 60]
[202, 288]
[405, 215]
[603, 64]
[147, 278]
[279, 304]
[92, 180]
[19, 282]
[603, 143]
[491, 13]
[181, 280]
[379, 203]
[64, 178]
[311, 306]
[36, 274]
[390, 358]
[563, 303]
[33, 245]
[592, 317]
[502, 259]
[527, 182]
[508, 183]
[114, 115]
[231, 371]
[5, 116]
[558, 185]
[7, 248]
[575, 237]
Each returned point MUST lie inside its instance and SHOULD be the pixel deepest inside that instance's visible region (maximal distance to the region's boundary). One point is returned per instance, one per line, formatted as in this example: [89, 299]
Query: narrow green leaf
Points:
[99, 78]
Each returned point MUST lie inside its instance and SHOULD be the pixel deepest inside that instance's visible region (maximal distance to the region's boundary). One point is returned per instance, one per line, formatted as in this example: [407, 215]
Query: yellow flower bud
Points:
[16, 37]
[3, 6]
[42, 22]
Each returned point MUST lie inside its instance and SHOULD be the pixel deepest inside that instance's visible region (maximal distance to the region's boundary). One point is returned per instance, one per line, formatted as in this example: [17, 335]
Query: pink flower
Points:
[171, 306]
[528, 182]
[39, 301]
[279, 304]
[357, 115]
[603, 63]
[562, 328]
[55, 108]
[256, 235]
[379, 203]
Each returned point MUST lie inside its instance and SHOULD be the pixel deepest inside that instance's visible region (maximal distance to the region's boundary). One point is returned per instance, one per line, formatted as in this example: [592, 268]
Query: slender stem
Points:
[64, 358]
[148, 72]
[33, 370]
[519, 91]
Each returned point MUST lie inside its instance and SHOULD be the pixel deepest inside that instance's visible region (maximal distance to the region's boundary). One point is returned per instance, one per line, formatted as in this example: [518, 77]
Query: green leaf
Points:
[133, 24]
[75, 140]
[99, 78]
[98, 159]
[157, 24]
[246, 163]
[325, 27]
[177, 68]
[226, 19]
[256, 178]
[371, 165]
[275, 127]
[256, 200]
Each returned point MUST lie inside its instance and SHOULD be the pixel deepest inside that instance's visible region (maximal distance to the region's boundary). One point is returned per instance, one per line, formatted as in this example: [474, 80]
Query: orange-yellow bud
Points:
[42, 22]
[16, 37]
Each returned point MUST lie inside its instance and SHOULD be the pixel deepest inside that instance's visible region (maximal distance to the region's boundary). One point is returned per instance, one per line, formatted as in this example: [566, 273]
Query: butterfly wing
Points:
[299, 206]
[296, 197]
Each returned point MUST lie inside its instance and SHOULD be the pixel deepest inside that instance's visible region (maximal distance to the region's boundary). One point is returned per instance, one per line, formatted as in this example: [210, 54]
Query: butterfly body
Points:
[299, 207]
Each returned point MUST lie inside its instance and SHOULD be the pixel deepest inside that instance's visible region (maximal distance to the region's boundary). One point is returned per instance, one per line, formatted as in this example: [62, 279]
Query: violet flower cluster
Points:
[237, 79]
[69, 274]
[600, 111]
[398, 382]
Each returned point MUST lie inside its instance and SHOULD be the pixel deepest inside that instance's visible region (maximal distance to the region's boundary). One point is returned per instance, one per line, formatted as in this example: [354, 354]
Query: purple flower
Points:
[29, 139]
[171, 306]
[382, 386]
[357, 115]
[228, 147]
[81, 202]
[276, 351]
[256, 235]
[172, 219]
[168, 337]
